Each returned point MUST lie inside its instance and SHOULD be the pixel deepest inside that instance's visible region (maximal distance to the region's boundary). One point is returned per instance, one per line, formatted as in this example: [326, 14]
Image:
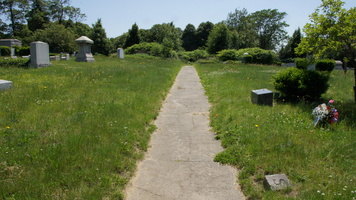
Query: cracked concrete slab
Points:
[179, 164]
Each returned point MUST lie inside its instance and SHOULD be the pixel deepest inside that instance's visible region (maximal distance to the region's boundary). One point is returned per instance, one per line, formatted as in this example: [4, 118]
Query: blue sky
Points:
[118, 15]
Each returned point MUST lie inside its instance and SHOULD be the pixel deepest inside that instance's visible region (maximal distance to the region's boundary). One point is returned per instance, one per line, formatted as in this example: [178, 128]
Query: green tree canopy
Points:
[289, 50]
[15, 11]
[58, 38]
[189, 38]
[133, 36]
[264, 28]
[245, 34]
[203, 31]
[101, 43]
[270, 26]
[219, 38]
[38, 15]
[60, 10]
[332, 28]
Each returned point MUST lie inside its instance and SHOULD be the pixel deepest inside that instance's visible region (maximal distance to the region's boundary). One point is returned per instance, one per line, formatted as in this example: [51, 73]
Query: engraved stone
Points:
[277, 182]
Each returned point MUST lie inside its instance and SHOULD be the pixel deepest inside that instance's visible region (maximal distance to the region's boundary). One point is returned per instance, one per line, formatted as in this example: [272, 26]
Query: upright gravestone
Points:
[39, 54]
[120, 53]
[84, 44]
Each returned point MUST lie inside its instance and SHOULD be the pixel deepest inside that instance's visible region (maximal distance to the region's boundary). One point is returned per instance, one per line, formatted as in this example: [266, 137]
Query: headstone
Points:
[84, 44]
[262, 97]
[39, 54]
[54, 57]
[120, 53]
[4, 84]
[65, 56]
[277, 182]
[13, 52]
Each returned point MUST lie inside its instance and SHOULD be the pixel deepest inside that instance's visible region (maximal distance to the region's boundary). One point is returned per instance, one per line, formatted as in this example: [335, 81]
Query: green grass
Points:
[263, 140]
[75, 130]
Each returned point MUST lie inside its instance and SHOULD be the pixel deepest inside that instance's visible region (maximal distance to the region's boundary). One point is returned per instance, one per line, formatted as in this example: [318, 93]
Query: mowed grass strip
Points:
[75, 130]
[263, 140]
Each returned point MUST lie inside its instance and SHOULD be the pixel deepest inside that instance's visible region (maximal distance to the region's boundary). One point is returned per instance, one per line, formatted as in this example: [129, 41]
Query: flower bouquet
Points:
[325, 114]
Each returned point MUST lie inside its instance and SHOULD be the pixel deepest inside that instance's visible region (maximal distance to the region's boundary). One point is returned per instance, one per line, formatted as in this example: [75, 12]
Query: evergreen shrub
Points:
[153, 49]
[22, 51]
[5, 51]
[259, 56]
[19, 62]
[227, 54]
[297, 83]
[301, 63]
[325, 65]
[193, 56]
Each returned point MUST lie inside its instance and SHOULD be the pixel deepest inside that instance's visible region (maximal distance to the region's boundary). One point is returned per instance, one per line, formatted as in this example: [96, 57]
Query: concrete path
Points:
[179, 164]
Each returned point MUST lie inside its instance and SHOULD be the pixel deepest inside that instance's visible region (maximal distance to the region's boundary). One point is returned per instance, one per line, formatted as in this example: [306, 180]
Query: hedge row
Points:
[19, 62]
[249, 55]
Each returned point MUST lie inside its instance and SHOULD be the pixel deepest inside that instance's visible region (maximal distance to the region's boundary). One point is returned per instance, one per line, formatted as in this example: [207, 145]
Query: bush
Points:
[153, 49]
[298, 83]
[301, 63]
[22, 51]
[5, 51]
[259, 56]
[193, 56]
[19, 62]
[325, 65]
[228, 54]
[246, 58]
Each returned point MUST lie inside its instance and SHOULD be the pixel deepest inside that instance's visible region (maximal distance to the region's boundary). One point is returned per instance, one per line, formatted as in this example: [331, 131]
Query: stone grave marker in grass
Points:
[84, 44]
[4, 84]
[262, 97]
[277, 182]
[39, 54]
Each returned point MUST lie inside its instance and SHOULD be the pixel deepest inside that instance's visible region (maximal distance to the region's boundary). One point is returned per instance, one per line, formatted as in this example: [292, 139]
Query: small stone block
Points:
[277, 182]
[262, 97]
[4, 85]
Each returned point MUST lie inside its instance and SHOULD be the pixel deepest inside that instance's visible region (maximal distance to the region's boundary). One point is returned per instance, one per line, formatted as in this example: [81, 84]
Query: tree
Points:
[133, 36]
[168, 31]
[58, 38]
[203, 32]
[219, 39]
[270, 26]
[38, 15]
[15, 11]
[101, 43]
[81, 29]
[242, 23]
[60, 10]
[332, 28]
[189, 38]
[289, 50]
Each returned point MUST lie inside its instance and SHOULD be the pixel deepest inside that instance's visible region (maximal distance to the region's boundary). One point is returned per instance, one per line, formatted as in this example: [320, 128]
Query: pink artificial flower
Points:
[331, 101]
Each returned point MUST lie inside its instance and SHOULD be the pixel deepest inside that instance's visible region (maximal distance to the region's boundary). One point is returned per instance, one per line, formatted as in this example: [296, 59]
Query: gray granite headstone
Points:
[277, 182]
[262, 97]
[4, 84]
[120, 53]
[39, 54]
[84, 44]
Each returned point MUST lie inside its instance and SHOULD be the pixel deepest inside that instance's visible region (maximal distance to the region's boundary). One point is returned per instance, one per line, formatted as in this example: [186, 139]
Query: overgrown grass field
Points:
[263, 140]
[75, 130]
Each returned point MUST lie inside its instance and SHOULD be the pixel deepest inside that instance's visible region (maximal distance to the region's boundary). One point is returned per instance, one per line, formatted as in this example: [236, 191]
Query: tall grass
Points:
[262, 140]
[75, 130]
